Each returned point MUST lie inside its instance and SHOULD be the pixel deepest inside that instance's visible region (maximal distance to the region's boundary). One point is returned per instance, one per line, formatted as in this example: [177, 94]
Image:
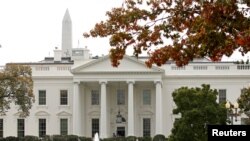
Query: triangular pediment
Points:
[63, 113]
[128, 64]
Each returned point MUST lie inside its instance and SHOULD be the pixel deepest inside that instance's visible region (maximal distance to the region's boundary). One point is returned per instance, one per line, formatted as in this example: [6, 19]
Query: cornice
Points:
[119, 72]
[52, 77]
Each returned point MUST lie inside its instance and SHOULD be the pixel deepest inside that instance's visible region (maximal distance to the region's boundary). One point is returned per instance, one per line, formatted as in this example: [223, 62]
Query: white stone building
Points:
[79, 94]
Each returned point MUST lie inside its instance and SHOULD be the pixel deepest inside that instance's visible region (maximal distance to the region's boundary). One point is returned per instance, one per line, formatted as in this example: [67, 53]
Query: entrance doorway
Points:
[120, 131]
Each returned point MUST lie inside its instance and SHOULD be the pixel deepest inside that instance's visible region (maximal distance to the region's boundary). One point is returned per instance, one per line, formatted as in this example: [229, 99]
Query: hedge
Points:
[159, 137]
[76, 138]
[145, 138]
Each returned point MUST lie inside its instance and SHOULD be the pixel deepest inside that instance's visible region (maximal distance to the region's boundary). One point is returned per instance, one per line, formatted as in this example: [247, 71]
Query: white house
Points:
[79, 94]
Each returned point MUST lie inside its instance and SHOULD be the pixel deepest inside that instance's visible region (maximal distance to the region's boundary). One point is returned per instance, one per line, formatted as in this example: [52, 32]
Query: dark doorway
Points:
[120, 132]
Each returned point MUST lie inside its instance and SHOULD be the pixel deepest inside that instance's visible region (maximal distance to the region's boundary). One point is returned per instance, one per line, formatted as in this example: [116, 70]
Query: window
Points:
[42, 97]
[42, 127]
[20, 128]
[95, 97]
[63, 97]
[222, 95]
[120, 97]
[146, 127]
[1, 128]
[120, 131]
[64, 126]
[146, 94]
[95, 126]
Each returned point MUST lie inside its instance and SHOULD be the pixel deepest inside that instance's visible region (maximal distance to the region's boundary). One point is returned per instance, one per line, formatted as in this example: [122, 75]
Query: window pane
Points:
[146, 97]
[42, 127]
[64, 97]
[95, 97]
[42, 97]
[1, 128]
[222, 95]
[120, 97]
[146, 127]
[64, 126]
[95, 126]
[20, 127]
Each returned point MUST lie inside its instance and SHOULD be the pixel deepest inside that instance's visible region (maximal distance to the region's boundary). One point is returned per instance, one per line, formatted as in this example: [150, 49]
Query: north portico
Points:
[101, 91]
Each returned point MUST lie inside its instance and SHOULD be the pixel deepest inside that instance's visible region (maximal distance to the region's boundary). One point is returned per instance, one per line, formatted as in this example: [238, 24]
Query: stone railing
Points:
[51, 68]
[208, 68]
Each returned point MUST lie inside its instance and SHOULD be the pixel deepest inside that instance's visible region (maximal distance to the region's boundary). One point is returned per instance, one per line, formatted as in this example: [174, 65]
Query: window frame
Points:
[20, 127]
[148, 101]
[95, 97]
[64, 99]
[42, 127]
[120, 97]
[222, 95]
[146, 129]
[62, 130]
[95, 127]
[1, 127]
[42, 99]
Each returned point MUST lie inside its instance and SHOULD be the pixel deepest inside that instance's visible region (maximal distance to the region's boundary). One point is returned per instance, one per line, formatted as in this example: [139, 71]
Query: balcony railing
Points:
[216, 67]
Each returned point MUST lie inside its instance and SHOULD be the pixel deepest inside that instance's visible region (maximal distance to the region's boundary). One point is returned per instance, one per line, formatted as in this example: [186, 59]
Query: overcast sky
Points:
[31, 29]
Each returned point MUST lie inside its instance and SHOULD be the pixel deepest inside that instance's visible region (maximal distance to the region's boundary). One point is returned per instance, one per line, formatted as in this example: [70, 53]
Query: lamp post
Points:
[232, 111]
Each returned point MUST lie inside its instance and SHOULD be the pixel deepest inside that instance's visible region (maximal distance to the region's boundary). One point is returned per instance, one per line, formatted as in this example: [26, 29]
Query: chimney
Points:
[57, 55]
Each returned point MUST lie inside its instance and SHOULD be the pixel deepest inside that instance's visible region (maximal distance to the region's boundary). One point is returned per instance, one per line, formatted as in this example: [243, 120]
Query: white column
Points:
[103, 121]
[158, 106]
[76, 110]
[82, 111]
[131, 129]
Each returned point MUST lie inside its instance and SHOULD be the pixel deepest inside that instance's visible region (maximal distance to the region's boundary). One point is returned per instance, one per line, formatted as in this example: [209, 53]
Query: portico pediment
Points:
[128, 64]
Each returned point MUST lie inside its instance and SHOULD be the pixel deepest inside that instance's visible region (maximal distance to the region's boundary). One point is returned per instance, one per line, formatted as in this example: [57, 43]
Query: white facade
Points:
[93, 87]
[131, 76]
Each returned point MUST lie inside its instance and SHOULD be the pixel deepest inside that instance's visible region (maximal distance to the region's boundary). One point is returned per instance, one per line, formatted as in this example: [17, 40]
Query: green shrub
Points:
[47, 138]
[72, 138]
[11, 138]
[131, 138]
[144, 138]
[159, 137]
[20, 139]
[85, 139]
[108, 139]
[31, 138]
[114, 139]
[59, 138]
[120, 139]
